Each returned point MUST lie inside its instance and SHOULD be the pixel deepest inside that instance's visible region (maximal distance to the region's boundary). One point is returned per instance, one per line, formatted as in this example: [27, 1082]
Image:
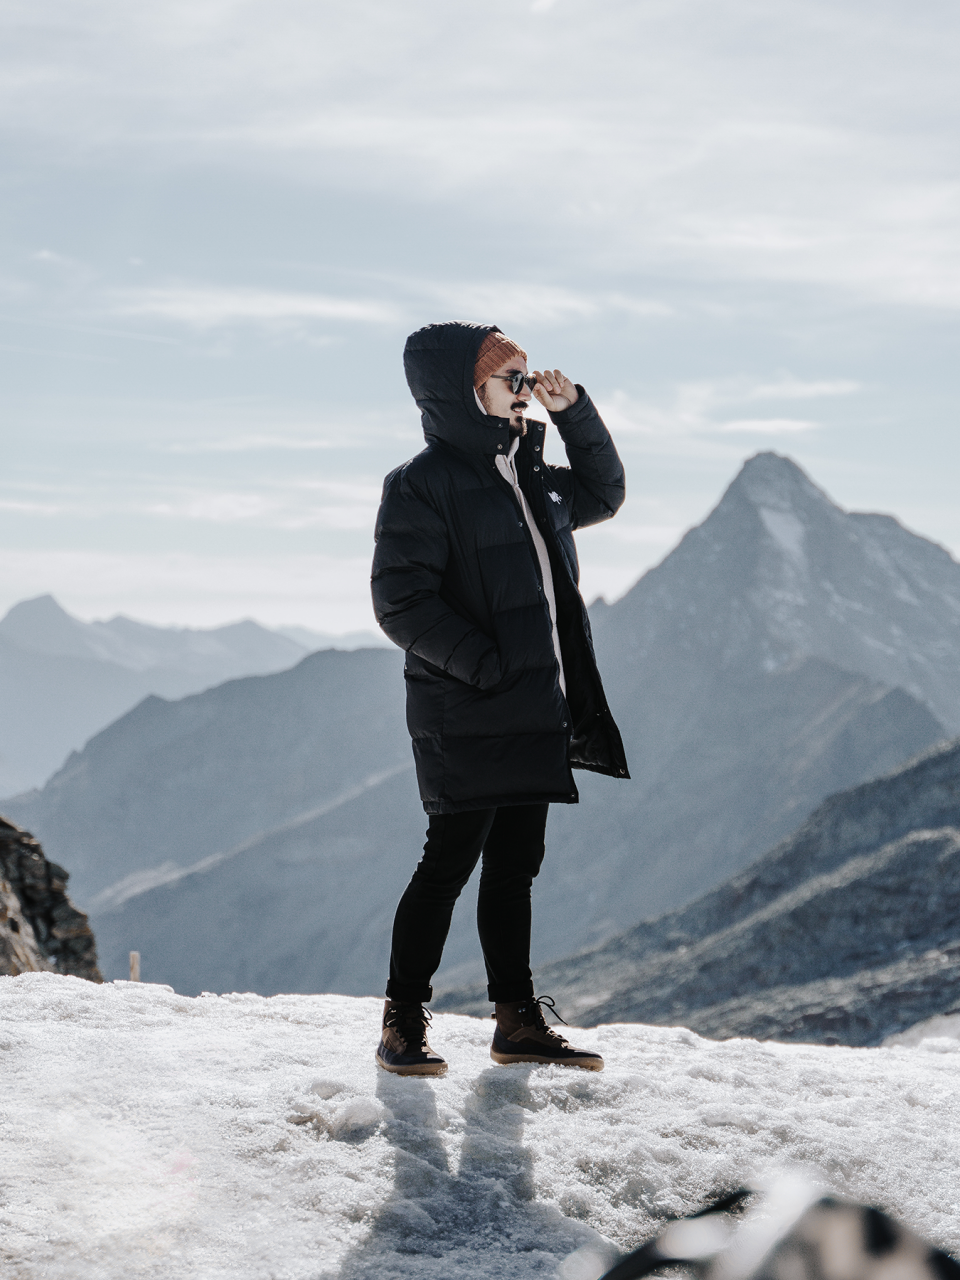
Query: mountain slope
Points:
[63, 680]
[50, 706]
[172, 782]
[848, 931]
[314, 897]
[305, 907]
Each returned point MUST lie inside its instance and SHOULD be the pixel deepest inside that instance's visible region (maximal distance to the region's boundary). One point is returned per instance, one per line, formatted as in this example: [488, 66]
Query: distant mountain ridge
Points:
[212, 655]
[735, 730]
[62, 680]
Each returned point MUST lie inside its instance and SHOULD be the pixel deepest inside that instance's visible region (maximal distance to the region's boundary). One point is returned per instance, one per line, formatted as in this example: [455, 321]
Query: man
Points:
[475, 575]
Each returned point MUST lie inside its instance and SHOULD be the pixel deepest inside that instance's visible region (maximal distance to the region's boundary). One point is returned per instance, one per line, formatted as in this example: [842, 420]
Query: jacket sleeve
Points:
[593, 484]
[411, 554]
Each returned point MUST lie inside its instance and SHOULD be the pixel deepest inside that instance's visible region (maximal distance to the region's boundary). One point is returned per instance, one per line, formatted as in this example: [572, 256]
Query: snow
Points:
[145, 1134]
[787, 531]
[938, 1035]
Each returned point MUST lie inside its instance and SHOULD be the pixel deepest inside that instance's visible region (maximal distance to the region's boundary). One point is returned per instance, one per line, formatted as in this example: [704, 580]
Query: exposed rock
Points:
[19, 952]
[40, 928]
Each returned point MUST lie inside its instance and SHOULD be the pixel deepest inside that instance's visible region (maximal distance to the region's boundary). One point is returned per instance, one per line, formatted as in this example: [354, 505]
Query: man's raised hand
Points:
[554, 390]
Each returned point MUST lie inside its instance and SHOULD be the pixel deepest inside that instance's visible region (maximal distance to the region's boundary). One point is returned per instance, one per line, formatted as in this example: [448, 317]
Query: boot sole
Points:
[417, 1069]
[587, 1064]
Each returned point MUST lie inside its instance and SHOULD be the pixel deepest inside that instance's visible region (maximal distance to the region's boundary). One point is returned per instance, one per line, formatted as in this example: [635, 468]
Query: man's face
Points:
[498, 400]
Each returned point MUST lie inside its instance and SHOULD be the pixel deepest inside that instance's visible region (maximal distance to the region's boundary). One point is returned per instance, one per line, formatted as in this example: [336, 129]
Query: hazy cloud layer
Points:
[737, 223]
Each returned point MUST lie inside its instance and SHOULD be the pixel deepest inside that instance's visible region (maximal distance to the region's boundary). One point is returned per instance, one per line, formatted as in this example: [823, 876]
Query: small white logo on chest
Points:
[555, 496]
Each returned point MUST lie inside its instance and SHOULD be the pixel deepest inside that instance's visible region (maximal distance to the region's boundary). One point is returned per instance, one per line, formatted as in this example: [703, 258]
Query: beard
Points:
[517, 424]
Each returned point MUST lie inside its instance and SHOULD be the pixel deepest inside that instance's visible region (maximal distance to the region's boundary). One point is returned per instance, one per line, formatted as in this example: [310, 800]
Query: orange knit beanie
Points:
[496, 349]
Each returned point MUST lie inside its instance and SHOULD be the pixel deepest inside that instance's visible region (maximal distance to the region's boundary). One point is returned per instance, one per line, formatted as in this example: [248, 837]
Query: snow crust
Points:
[145, 1133]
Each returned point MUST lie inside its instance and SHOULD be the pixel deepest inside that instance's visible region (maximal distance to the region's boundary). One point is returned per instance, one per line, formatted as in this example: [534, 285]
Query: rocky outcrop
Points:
[40, 928]
[19, 952]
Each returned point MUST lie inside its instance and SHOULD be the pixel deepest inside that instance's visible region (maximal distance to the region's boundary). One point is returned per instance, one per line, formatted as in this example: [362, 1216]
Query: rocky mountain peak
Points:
[43, 626]
[778, 573]
[771, 480]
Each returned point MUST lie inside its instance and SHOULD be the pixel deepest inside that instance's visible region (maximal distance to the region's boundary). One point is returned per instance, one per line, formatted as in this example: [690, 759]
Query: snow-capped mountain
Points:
[778, 572]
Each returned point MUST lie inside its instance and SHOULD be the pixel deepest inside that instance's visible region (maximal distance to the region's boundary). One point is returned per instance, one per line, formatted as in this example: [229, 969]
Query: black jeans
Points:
[511, 840]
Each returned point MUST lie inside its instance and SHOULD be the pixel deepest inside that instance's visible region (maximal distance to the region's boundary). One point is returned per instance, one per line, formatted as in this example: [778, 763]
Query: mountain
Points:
[778, 572]
[736, 729]
[211, 656]
[305, 907]
[62, 680]
[847, 932]
[173, 782]
[740, 669]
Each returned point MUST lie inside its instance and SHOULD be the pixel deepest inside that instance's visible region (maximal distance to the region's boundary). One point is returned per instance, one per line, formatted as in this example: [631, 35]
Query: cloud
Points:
[768, 426]
[788, 388]
[715, 135]
[264, 443]
[290, 503]
[25, 507]
[204, 307]
[211, 308]
[701, 408]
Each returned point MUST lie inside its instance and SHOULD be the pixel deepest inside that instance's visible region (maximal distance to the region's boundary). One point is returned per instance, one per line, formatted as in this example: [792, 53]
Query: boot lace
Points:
[410, 1022]
[535, 1006]
[540, 1001]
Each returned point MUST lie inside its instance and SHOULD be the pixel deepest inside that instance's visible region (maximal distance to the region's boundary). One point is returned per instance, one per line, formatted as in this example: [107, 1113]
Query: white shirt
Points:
[508, 469]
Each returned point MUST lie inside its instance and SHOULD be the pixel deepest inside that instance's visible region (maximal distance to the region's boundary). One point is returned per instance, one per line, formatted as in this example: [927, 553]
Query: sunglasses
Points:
[517, 380]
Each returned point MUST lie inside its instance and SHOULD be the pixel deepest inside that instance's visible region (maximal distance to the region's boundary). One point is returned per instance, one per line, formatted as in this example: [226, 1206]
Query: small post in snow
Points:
[134, 966]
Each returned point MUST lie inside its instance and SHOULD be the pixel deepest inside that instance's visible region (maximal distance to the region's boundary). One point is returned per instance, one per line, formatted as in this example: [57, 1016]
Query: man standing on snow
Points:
[475, 576]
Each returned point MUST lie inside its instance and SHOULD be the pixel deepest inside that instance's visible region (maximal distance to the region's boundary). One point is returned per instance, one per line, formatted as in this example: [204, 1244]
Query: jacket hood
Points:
[439, 360]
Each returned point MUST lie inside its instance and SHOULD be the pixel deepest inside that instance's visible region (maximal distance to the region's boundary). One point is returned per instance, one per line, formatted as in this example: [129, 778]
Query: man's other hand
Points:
[554, 390]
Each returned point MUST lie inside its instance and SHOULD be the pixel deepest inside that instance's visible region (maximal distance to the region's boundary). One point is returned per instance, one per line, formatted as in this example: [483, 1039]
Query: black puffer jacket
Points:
[456, 583]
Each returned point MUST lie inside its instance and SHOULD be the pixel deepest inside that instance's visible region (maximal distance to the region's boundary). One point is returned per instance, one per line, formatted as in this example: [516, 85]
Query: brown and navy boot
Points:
[403, 1047]
[522, 1035]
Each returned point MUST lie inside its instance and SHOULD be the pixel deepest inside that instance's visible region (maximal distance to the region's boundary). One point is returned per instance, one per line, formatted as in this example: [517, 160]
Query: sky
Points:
[736, 222]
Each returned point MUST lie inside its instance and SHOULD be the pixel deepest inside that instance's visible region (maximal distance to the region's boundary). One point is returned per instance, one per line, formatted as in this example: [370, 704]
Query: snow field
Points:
[145, 1134]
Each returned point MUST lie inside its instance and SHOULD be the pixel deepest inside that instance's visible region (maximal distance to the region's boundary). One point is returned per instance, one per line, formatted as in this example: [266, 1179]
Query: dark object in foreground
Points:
[63, 937]
[793, 1233]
